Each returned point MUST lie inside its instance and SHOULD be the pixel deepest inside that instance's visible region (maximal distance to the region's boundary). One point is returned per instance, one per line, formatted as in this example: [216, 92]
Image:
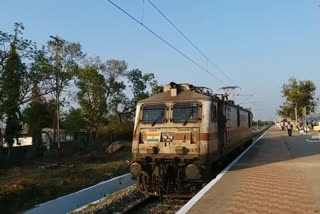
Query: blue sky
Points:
[258, 43]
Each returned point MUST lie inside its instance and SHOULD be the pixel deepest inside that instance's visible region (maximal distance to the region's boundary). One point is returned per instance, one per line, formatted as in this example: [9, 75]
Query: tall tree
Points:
[11, 80]
[57, 64]
[69, 58]
[26, 50]
[26, 47]
[116, 100]
[297, 94]
[112, 71]
[92, 98]
[11, 87]
[37, 115]
[101, 91]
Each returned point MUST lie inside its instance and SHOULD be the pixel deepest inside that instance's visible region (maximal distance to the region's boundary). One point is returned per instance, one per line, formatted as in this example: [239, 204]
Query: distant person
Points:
[313, 124]
[289, 128]
[300, 125]
[305, 127]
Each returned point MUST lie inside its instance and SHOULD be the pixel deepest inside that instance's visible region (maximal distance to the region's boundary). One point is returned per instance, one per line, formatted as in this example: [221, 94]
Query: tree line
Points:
[93, 91]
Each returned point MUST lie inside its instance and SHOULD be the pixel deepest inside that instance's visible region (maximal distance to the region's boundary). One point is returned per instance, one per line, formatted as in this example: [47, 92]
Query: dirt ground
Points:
[22, 187]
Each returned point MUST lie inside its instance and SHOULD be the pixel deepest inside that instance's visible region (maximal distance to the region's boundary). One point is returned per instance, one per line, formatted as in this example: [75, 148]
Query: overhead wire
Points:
[172, 46]
[167, 43]
[189, 40]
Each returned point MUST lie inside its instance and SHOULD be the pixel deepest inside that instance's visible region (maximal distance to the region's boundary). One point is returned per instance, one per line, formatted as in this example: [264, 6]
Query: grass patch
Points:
[23, 187]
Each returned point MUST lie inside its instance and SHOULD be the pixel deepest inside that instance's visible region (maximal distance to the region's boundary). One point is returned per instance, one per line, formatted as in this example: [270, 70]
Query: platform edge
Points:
[206, 188]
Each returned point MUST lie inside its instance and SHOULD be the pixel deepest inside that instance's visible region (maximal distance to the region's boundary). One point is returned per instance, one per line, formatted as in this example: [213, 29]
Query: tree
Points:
[112, 70]
[26, 47]
[140, 85]
[37, 115]
[69, 57]
[11, 88]
[18, 79]
[156, 89]
[11, 132]
[11, 81]
[75, 121]
[57, 63]
[101, 92]
[297, 94]
[30, 78]
[121, 106]
[92, 98]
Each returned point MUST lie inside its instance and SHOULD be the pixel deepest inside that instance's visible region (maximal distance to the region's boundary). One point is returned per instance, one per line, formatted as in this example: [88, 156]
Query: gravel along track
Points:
[116, 203]
[132, 201]
[167, 206]
[123, 203]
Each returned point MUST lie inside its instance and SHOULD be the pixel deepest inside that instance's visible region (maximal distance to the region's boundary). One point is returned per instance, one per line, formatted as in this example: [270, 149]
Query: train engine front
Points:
[168, 149]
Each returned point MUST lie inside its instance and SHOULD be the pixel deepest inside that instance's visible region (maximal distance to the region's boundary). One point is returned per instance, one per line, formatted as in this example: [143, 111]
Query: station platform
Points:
[279, 174]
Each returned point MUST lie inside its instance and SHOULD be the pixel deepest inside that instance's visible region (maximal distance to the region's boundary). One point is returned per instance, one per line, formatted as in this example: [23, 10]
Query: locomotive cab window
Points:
[185, 113]
[228, 113]
[153, 114]
[213, 112]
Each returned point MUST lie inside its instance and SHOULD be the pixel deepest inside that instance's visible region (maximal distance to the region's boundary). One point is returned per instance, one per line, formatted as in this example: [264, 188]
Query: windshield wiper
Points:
[189, 116]
[160, 116]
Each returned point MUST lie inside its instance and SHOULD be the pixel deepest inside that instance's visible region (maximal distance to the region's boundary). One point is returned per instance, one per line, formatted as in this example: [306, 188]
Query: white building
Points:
[22, 141]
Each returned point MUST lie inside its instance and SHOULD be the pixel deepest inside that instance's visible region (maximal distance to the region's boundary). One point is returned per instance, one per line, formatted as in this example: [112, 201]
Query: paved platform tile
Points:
[278, 175]
[271, 188]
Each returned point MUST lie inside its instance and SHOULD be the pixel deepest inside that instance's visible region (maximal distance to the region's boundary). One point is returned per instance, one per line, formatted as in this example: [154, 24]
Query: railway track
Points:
[142, 205]
[154, 205]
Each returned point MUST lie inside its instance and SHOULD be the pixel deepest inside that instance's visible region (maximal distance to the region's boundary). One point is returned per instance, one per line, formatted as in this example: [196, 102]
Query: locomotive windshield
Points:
[185, 112]
[153, 114]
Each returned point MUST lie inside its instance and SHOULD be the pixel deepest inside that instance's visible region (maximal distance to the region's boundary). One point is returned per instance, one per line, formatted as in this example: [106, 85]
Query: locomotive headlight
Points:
[194, 138]
[143, 137]
[192, 172]
[170, 137]
[135, 169]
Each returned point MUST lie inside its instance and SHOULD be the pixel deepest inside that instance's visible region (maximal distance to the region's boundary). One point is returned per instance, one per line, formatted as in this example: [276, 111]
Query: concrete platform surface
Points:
[279, 174]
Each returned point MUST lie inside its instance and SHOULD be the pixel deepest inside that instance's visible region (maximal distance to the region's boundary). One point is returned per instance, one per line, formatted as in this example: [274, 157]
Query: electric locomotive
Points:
[179, 133]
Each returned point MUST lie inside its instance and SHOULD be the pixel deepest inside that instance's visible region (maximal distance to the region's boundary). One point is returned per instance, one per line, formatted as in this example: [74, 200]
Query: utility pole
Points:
[58, 43]
[296, 115]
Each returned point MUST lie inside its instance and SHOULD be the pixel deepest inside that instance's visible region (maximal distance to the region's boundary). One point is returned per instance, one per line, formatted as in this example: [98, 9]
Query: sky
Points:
[259, 44]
